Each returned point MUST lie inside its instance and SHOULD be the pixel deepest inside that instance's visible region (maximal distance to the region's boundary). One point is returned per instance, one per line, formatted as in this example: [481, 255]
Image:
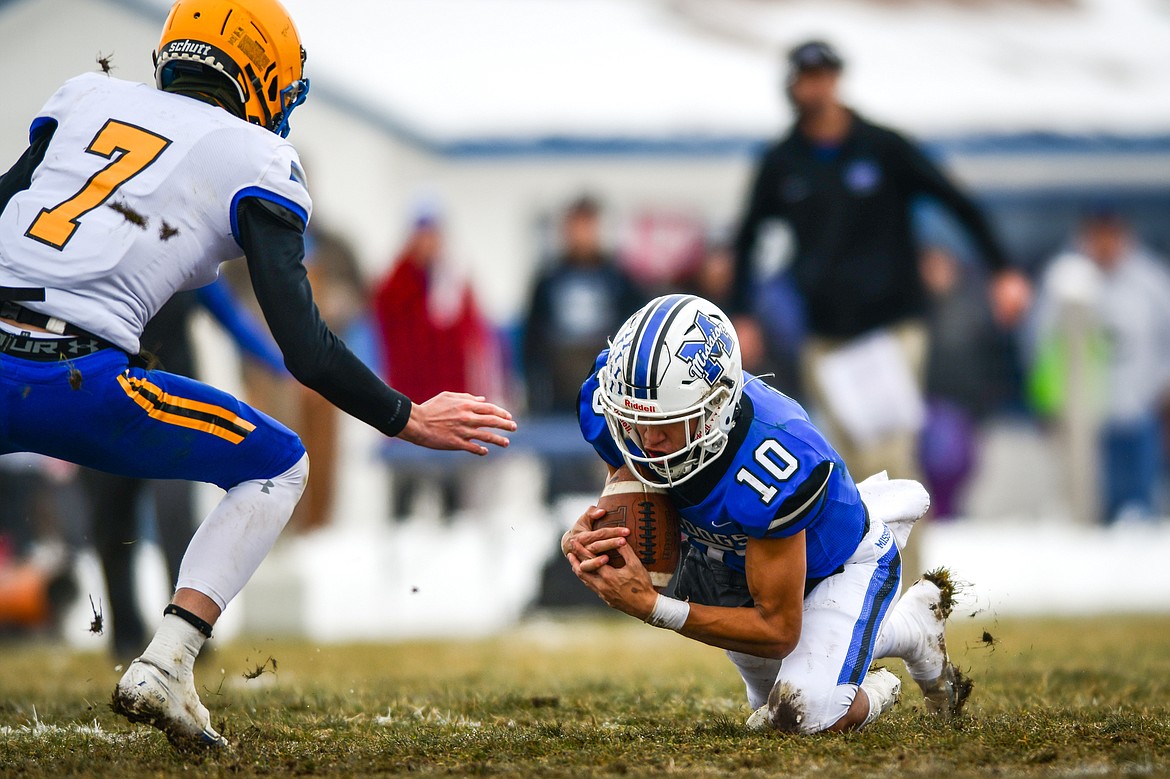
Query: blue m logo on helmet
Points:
[704, 355]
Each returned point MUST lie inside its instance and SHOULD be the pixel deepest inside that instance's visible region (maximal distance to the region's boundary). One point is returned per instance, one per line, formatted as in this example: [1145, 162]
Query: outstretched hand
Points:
[456, 421]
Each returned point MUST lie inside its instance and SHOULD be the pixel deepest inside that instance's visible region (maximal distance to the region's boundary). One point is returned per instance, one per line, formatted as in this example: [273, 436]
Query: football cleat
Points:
[928, 603]
[759, 719]
[945, 695]
[150, 695]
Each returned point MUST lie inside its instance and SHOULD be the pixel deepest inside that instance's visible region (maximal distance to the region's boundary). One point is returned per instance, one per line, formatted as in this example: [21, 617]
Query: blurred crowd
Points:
[903, 348]
[1104, 292]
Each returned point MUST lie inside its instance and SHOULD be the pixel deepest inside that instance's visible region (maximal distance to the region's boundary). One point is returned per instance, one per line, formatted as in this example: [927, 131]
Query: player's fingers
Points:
[458, 443]
[489, 438]
[577, 564]
[601, 534]
[490, 410]
[593, 564]
[633, 563]
[489, 420]
[577, 550]
[605, 545]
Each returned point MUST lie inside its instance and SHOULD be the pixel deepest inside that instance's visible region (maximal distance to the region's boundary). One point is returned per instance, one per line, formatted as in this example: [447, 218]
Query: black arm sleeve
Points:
[19, 176]
[925, 177]
[273, 241]
[761, 205]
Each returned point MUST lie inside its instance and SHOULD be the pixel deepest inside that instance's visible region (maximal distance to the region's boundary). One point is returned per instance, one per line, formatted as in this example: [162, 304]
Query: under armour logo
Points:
[76, 347]
[704, 355]
[266, 488]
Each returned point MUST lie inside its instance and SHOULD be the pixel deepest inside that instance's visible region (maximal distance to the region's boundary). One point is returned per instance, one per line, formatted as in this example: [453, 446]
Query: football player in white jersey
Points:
[792, 568]
[125, 195]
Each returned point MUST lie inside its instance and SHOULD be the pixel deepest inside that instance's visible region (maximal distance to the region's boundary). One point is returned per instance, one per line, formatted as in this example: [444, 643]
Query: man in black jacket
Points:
[845, 186]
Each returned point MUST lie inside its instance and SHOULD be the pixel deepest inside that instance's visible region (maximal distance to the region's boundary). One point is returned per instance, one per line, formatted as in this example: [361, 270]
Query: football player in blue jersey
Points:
[792, 568]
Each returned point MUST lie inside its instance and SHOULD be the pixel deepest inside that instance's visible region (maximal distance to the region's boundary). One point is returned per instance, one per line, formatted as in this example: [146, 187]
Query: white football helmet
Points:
[675, 360]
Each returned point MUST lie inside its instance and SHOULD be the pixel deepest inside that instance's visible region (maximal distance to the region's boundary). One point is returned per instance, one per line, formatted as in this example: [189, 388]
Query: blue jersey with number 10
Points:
[777, 476]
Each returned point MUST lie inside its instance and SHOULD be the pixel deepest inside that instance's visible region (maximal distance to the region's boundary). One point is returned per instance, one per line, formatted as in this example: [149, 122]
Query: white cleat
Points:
[928, 602]
[759, 719]
[151, 695]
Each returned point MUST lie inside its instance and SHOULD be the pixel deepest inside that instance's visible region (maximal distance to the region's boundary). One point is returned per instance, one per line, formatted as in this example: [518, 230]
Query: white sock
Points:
[230, 544]
[902, 636]
[175, 645]
[881, 689]
[899, 636]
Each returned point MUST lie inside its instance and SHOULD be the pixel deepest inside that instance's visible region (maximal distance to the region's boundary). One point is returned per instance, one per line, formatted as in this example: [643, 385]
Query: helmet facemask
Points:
[290, 97]
[676, 361]
[704, 433]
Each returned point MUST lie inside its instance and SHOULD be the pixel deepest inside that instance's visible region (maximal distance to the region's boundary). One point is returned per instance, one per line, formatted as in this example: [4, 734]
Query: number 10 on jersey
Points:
[778, 464]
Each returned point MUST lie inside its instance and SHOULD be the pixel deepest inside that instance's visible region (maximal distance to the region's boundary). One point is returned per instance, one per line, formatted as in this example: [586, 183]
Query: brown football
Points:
[652, 518]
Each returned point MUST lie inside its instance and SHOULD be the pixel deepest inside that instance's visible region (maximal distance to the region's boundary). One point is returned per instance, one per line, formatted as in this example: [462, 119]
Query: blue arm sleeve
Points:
[244, 328]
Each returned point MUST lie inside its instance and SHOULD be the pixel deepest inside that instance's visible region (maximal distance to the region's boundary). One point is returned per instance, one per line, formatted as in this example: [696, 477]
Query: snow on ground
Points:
[422, 579]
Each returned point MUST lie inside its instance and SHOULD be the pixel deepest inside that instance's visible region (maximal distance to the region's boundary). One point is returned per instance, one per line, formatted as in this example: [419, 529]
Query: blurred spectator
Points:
[115, 499]
[576, 305]
[715, 275]
[1127, 294]
[660, 246]
[434, 338]
[37, 544]
[969, 374]
[845, 186]
[712, 279]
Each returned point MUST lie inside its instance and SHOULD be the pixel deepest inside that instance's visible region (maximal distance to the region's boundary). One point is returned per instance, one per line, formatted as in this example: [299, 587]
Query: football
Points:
[652, 518]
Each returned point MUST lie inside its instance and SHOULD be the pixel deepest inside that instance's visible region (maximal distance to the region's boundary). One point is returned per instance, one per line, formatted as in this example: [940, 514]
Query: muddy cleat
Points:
[927, 604]
[151, 695]
[945, 695]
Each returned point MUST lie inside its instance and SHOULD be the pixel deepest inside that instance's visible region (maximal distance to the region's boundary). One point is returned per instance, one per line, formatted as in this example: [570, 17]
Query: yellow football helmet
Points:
[252, 42]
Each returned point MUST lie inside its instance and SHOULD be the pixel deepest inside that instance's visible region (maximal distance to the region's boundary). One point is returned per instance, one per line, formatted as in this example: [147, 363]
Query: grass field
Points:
[603, 697]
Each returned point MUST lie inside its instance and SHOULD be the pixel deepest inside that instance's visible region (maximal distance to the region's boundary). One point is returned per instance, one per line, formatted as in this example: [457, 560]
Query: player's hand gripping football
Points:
[456, 420]
[586, 543]
[627, 589]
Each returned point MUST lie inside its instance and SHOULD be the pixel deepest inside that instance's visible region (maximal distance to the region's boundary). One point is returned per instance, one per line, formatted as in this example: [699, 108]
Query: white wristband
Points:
[669, 613]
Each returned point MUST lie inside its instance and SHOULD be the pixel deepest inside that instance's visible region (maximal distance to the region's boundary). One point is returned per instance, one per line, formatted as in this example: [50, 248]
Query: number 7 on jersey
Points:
[138, 149]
